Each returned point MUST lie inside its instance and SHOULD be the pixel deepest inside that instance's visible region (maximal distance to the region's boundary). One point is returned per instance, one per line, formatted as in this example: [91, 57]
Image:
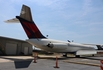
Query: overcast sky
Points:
[78, 20]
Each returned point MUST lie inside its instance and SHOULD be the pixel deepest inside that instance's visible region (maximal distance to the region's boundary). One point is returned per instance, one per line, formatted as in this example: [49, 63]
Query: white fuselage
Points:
[59, 46]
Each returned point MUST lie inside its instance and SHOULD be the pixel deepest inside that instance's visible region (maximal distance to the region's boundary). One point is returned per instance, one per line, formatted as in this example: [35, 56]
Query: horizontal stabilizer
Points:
[14, 20]
[86, 52]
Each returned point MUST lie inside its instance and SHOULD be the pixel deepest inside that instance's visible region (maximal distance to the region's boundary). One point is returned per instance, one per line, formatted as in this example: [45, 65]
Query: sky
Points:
[77, 20]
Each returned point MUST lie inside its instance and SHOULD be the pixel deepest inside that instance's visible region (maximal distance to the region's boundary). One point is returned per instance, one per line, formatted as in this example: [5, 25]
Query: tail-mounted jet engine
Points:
[57, 45]
[50, 45]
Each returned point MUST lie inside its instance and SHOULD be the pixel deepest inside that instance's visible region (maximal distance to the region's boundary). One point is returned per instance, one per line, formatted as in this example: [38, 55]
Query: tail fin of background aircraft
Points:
[27, 23]
[100, 47]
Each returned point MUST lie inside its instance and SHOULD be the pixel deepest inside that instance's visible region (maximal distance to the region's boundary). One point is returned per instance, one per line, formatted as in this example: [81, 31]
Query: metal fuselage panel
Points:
[61, 46]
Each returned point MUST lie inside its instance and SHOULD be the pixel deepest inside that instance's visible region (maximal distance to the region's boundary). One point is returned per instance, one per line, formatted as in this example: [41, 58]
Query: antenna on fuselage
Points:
[47, 35]
[68, 40]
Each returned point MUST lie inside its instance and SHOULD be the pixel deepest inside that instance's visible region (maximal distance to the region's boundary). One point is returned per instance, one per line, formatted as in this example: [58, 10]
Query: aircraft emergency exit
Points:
[37, 39]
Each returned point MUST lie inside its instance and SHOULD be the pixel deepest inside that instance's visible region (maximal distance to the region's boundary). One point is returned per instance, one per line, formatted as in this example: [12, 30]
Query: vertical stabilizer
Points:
[26, 13]
[27, 23]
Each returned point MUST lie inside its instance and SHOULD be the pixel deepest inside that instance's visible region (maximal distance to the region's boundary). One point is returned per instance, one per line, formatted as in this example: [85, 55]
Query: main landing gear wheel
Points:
[77, 56]
[64, 54]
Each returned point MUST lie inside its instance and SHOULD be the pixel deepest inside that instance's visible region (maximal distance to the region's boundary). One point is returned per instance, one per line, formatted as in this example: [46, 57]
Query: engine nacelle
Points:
[57, 45]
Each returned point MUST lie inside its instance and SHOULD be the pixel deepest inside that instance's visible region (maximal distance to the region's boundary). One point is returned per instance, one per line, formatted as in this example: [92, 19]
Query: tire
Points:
[78, 56]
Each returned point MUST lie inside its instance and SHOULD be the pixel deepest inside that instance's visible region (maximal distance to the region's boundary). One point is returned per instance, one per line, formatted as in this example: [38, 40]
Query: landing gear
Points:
[92, 54]
[64, 54]
[78, 56]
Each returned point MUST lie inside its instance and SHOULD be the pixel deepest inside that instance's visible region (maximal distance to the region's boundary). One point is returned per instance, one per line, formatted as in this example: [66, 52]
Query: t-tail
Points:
[27, 23]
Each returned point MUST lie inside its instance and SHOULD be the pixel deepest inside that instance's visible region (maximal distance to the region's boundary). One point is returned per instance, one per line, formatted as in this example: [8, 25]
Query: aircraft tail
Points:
[100, 47]
[27, 23]
[26, 13]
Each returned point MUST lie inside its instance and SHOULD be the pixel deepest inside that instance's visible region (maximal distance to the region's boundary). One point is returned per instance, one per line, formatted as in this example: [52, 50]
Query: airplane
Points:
[37, 39]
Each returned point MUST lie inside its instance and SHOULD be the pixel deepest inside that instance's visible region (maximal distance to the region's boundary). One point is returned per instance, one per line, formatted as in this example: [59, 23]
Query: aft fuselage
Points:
[58, 46]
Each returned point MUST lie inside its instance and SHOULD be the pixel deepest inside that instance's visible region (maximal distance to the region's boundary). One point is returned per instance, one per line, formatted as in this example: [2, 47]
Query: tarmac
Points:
[91, 61]
[47, 62]
[82, 61]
